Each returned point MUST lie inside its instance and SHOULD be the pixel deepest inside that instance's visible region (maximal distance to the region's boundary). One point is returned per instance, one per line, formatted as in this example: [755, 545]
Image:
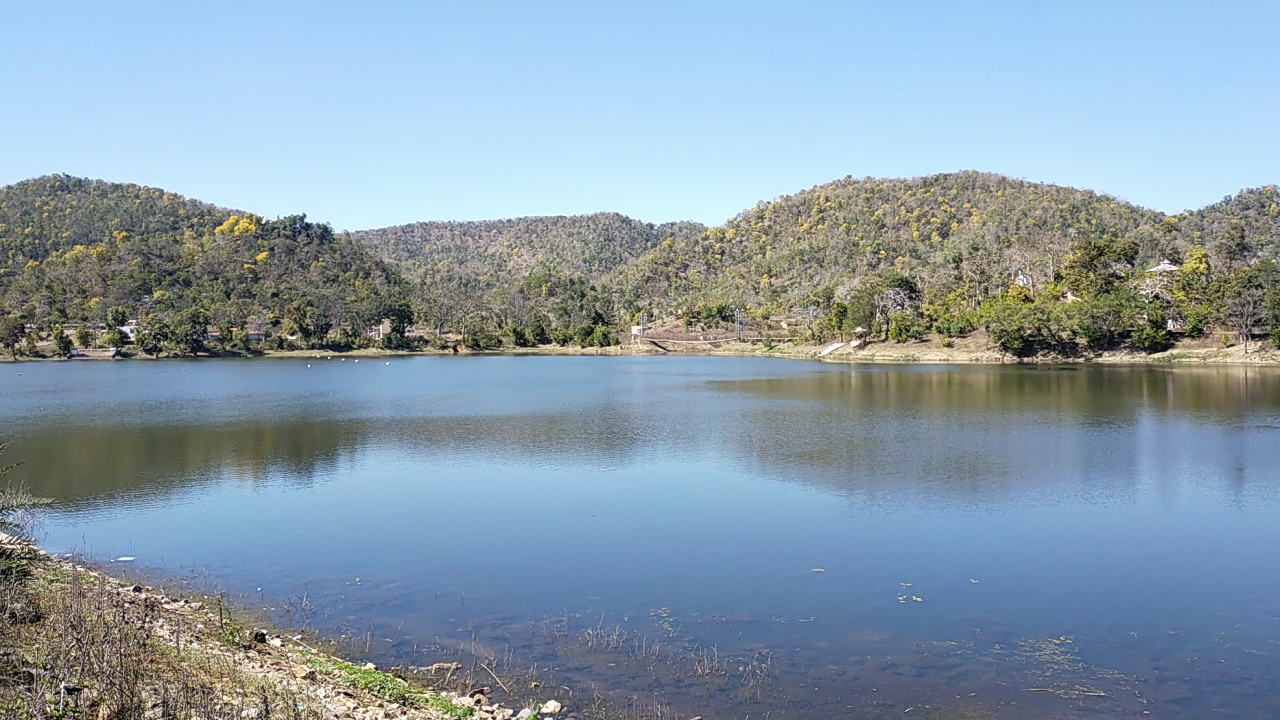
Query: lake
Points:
[732, 537]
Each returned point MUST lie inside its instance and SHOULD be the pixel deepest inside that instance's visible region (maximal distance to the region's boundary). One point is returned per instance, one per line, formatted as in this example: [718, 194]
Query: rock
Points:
[370, 666]
[136, 588]
[259, 636]
[275, 642]
[504, 713]
[524, 714]
[550, 707]
[303, 673]
[443, 668]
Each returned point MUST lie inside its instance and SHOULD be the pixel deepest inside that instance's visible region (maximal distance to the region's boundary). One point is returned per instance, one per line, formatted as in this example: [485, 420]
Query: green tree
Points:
[117, 317]
[1096, 264]
[12, 330]
[84, 336]
[153, 335]
[906, 327]
[190, 328]
[1102, 320]
[61, 342]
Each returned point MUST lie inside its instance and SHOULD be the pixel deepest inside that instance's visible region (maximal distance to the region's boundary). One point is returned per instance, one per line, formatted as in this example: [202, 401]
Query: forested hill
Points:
[969, 230]
[56, 212]
[1043, 268]
[504, 250]
[75, 250]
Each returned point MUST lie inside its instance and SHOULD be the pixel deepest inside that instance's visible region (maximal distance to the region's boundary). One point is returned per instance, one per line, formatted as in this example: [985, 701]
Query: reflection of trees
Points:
[77, 463]
[982, 432]
[966, 432]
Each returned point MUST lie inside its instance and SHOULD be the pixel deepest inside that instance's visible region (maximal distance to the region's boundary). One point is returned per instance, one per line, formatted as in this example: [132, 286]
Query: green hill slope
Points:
[502, 250]
[77, 249]
[56, 212]
[944, 231]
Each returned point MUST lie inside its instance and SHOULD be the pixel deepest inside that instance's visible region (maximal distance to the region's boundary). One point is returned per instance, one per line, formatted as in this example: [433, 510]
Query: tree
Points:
[1095, 265]
[12, 330]
[60, 341]
[153, 334]
[1101, 320]
[190, 328]
[117, 317]
[84, 336]
[1244, 310]
[1233, 247]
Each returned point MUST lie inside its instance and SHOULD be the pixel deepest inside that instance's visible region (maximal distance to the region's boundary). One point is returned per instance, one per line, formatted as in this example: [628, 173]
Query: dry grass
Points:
[87, 647]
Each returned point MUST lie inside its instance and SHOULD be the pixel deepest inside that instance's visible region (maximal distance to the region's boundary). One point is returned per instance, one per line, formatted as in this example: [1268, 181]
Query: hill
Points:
[903, 257]
[57, 212]
[943, 253]
[504, 250]
[944, 231]
[88, 251]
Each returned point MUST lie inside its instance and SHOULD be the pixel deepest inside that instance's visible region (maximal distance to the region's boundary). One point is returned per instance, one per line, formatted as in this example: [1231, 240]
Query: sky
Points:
[378, 113]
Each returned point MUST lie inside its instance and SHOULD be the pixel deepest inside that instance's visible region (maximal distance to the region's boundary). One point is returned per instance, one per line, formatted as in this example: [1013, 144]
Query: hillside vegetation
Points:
[1041, 268]
[82, 251]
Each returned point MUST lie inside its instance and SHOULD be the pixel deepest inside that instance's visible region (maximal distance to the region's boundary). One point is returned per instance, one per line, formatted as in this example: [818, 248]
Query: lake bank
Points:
[975, 349]
[115, 648]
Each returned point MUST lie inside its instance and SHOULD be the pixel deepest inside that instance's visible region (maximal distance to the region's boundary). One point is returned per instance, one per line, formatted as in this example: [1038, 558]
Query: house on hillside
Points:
[1157, 282]
[381, 330]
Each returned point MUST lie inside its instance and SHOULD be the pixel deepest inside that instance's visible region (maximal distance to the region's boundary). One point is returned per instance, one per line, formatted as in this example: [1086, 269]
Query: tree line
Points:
[1039, 268]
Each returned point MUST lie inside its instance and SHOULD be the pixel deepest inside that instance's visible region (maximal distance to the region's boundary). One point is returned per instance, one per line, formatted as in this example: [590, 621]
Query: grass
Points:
[383, 685]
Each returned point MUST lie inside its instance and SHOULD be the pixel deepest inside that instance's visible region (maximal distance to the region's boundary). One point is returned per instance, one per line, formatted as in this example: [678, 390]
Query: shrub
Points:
[954, 325]
[519, 336]
[1024, 329]
[1101, 321]
[905, 327]
[1149, 338]
[1196, 318]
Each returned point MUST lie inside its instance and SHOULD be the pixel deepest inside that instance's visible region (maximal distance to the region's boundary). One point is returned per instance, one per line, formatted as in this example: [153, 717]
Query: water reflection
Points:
[1106, 528]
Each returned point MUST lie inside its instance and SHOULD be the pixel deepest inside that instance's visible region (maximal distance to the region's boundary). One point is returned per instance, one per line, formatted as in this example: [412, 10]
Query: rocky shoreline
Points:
[252, 672]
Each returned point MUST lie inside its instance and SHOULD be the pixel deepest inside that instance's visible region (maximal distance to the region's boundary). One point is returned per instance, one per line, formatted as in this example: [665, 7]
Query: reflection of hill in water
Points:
[80, 463]
[997, 432]
[960, 432]
[90, 464]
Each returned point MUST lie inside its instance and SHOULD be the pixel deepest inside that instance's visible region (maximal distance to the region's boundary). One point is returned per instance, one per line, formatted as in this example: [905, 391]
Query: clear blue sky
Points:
[376, 113]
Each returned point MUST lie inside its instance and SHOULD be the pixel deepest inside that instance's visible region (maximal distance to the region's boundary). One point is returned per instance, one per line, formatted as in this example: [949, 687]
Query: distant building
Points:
[1158, 281]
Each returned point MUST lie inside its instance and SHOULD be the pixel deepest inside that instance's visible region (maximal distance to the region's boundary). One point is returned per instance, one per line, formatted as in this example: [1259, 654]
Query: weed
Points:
[446, 707]
[382, 684]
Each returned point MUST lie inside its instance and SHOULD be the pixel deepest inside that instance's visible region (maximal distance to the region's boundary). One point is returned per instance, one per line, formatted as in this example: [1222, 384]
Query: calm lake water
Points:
[798, 539]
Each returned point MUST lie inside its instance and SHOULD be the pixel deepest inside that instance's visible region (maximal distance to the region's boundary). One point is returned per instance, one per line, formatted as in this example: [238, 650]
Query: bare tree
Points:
[1243, 312]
